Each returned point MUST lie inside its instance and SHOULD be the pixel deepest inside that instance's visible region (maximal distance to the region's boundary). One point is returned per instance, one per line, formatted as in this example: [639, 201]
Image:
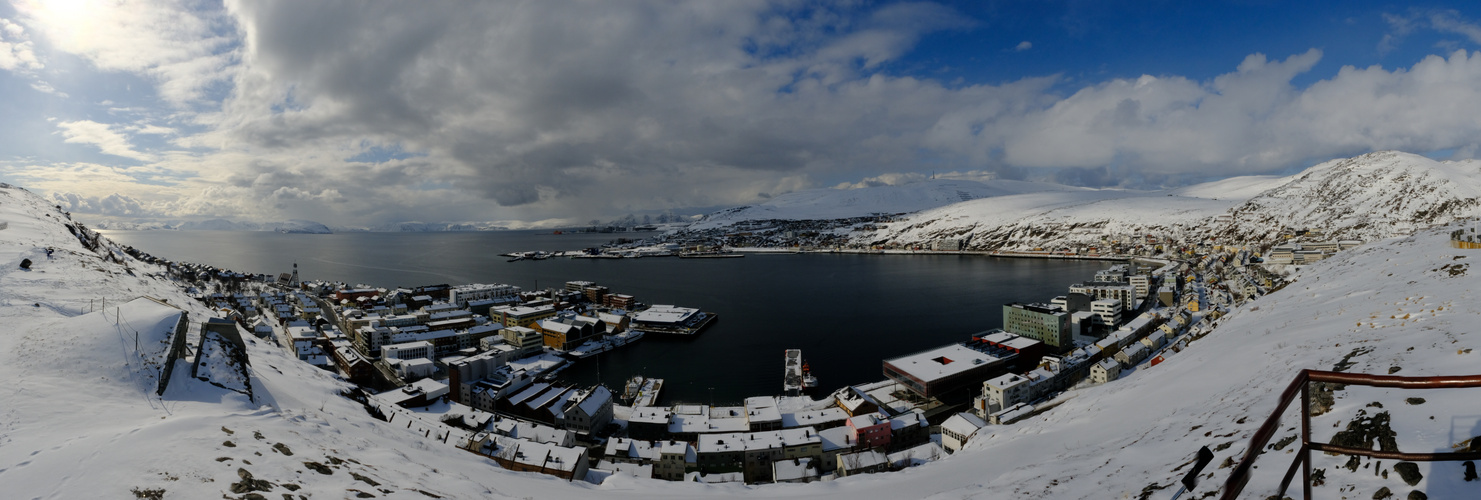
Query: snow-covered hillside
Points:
[288, 226]
[77, 419]
[1368, 197]
[828, 203]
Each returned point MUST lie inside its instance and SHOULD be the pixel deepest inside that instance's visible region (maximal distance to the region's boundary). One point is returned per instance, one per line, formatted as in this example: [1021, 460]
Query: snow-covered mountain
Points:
[78, 418]
[831, 203]
[288, 226]
[435, 227]
[1368, 197]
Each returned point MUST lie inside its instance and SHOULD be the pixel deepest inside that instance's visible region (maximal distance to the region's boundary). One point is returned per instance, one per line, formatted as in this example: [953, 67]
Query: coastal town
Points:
[475, 367]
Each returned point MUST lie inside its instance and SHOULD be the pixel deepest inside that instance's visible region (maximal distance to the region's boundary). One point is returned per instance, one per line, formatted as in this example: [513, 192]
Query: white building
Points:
[958, 430]
[1004, 391]
[1107, 311]
[1122, 292]
[409, 350]
[461, 295]
[1105, 371]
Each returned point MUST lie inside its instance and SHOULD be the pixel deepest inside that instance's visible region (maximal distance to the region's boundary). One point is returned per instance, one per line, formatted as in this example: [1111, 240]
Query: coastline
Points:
[986, 253]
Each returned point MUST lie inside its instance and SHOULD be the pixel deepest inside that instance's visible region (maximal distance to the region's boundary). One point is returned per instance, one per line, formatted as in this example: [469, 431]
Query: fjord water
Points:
[847, 312]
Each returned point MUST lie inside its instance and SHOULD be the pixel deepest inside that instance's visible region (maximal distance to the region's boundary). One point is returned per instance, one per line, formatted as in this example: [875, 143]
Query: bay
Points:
[847, 312]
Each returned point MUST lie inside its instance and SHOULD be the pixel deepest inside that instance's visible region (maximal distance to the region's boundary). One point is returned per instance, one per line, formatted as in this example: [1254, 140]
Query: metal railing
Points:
[1301, 386]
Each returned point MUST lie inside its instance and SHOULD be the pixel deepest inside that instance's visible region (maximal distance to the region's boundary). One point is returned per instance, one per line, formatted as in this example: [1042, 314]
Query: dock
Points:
[792, 379]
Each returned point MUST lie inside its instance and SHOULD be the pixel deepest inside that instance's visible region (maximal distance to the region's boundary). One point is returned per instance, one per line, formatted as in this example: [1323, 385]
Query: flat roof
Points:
[941, 362]
[665, 314]
[1009, 340]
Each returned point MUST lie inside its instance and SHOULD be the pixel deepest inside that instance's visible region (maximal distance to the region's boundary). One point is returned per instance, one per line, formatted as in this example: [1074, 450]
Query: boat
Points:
[594, 347]
[648, 395]
[642, 391]
[808, 380]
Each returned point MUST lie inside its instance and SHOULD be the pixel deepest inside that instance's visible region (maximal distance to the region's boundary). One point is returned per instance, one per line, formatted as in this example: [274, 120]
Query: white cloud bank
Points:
[533, 110]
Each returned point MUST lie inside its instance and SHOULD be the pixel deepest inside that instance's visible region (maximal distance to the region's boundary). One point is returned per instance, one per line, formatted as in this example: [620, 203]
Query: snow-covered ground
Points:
[832, 203]
[77, 419]
[1369, 197]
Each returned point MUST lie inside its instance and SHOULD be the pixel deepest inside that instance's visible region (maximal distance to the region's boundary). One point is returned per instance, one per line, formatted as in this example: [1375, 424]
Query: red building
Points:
[872, 430]
[351, 294]
[1029, 351]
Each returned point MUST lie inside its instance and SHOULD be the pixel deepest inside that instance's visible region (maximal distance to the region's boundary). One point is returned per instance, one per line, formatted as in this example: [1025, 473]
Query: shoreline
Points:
[985, 253]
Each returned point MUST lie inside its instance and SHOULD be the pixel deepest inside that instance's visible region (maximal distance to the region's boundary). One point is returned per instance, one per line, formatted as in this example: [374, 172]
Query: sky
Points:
[359, 113]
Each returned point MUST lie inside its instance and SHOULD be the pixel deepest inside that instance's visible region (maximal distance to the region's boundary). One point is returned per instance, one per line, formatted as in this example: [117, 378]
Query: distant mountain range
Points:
[288, 226]
[1368, 197]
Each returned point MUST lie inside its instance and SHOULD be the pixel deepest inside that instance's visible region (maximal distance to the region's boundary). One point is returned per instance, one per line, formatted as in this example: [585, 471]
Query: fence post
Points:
[1305, 436]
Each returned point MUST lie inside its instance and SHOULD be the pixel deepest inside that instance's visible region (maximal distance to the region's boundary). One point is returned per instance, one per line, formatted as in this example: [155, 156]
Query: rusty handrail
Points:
[1241, 474]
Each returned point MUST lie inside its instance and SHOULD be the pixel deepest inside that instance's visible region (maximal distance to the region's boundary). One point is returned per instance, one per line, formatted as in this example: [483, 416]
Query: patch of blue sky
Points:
[1091, 42]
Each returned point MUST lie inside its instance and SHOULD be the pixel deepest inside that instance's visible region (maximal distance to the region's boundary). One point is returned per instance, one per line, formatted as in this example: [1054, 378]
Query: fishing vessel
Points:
[642, 391]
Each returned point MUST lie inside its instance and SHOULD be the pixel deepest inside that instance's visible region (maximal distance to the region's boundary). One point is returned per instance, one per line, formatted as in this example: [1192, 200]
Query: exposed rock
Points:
[1409, 471]
[283, 448]
[149, 493]
[364, 479]
[1418, 495]
[1362, 431]
[1414, 401]
[1382, 493]
[248, 484]
[1470, 470]
[318, 467]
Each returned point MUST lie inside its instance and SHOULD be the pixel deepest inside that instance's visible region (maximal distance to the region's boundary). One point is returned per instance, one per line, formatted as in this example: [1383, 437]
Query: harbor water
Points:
[846, 312]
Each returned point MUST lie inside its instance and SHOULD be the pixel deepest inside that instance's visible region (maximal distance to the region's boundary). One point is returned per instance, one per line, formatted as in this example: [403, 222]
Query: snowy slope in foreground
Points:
[76, 422]
[829, 203]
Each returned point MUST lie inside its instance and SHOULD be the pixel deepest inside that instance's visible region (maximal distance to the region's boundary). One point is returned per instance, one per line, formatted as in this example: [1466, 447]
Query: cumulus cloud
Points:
[186, 46]
[103, 136]
[1024, 45]
[533, 110]
[16, 49]
[114, 205]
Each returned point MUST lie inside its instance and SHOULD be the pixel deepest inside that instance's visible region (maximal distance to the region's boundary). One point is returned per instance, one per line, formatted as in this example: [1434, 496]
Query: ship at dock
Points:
[642, 391]
[797, 376]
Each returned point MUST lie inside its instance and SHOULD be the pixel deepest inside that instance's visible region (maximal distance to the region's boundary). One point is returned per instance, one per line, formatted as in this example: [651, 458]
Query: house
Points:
[1105, 371]
[916, 455]
[1132, 354]
[630, 451]
[649, 422]
[797, 470]
[909, 429]
[958, 430]
[835, 441]
[588, 412]
[529, 456]
[855, 402]
[862, 462]
[1004, 391]
[871, 430]
[826, 418]
[530, 431]
[1011, 414]
[762, 414]
[675, 459]
[567, 330]
[722, 453]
